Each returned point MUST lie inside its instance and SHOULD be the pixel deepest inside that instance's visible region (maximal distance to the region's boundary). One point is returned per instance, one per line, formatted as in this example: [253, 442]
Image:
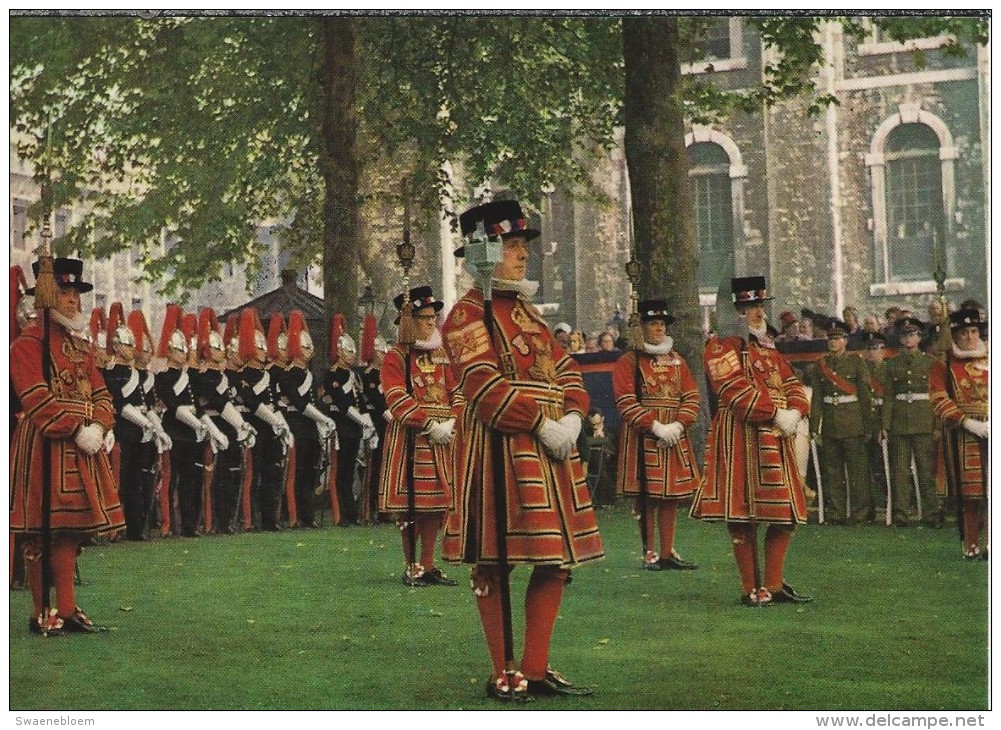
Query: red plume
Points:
[98, 323]
[250, 324]
[368, 333]
[231, 329]
[207, 324]
[275, 327]
[171, 323]
[296, 327]
[18, 286]
[140, 330]
[116, 319]
[338, 326]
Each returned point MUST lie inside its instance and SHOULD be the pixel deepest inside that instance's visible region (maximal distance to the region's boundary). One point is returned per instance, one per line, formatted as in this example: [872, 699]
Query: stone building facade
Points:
[857, 206]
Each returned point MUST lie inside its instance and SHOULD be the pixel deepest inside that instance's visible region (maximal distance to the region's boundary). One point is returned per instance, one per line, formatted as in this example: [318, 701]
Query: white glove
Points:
[661, 431]
[156, 424]
[134, 415]
[285, 433]
[163, 442]
[673, 432]
[787, 419]
[324, 423]
[186, 415]
[980, 429]
[571, 422]
[362, 419]
[109, 441]
[440, 432]
[373, 440]
[246, 436]
[233, 417]
[387, 416]
[556, 439]
[90, 439]
[219, 440]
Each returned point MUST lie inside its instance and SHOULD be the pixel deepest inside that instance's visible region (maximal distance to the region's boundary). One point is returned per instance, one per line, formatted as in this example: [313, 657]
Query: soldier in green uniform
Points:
[841, 424]
[909, 424]
[875, 343]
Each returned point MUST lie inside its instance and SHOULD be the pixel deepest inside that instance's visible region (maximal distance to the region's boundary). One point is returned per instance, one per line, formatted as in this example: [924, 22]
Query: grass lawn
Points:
[320, 620]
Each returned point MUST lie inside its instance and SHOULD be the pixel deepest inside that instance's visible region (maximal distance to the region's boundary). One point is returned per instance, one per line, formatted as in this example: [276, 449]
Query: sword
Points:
[820, 486]
[917, 487]
[889, 490]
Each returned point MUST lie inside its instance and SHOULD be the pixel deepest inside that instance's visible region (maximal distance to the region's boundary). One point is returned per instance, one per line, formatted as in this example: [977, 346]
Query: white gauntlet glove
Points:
[163, 442]
[787, 419]
[186, 415]
[133, 415]
[277, 422]
[324, 424]
[109, 441]
[90, 439]
[440, 432]
[218, 440]
[980, 429]
[556, 439]
[571, 422]
[285, 434]
[672, 433]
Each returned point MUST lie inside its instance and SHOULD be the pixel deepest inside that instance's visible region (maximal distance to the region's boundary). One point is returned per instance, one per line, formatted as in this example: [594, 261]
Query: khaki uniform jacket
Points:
[906, 374]
[843, 419]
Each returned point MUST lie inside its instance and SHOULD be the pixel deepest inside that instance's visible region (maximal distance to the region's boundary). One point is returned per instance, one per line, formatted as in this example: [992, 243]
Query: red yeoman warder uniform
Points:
[959, 389]
[668, 396]
[72, 411]
[519, 384]
[750, 471]
[420, 391]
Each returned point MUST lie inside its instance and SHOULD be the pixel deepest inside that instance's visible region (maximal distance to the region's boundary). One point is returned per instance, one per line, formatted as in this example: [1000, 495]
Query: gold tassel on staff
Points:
[634, 330]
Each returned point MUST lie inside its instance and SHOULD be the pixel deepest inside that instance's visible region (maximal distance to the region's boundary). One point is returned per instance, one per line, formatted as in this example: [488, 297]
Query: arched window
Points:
[911, 165]
[709, 170]
[914, 214]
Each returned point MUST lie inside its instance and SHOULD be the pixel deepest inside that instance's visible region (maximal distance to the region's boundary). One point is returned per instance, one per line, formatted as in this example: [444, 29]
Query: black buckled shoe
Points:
[651, 561]
[789, 595]
[80, 623]
[554, 684]
[54, 624]
[434, 577]
[676, 562]
[514, 691]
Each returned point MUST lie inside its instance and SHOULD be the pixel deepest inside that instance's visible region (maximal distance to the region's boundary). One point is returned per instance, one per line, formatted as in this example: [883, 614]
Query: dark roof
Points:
[283, 300]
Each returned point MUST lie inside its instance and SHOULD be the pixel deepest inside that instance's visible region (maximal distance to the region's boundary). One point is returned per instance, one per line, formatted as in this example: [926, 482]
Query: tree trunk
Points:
[663, 210]
[339, 163]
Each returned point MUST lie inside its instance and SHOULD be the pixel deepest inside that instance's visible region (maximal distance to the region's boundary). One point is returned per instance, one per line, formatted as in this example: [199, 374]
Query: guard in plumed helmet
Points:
[274, 438]
[416, 481]
[313, 429]
[69, 415]
[133, 429]
[658, 400]
[156, 452]
[181, 419]
[908, 426]
[229, 432]
[841, 424]
[99, 336]
[515, 443]
[344, 399]
[750, 469]
[371, 380]
[960, 390]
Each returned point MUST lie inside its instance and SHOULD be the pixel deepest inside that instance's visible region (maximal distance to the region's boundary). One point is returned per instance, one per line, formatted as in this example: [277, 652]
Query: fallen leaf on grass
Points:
[435, 613]
[300, 544]
[125, 608]
[603, 641]
[250, 621]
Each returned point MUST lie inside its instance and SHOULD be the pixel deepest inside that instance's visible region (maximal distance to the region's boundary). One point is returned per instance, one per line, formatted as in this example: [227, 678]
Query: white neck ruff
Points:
[664, 348]
[524, 288]
[969, 354]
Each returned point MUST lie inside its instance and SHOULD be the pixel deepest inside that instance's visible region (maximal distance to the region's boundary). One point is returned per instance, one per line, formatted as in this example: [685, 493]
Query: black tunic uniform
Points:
[187, 456]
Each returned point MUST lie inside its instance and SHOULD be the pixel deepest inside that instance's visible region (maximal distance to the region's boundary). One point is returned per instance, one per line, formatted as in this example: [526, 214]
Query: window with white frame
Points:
[721, 46]
[911, 165]
[709, 172]
[19, 223]
[914, 212]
